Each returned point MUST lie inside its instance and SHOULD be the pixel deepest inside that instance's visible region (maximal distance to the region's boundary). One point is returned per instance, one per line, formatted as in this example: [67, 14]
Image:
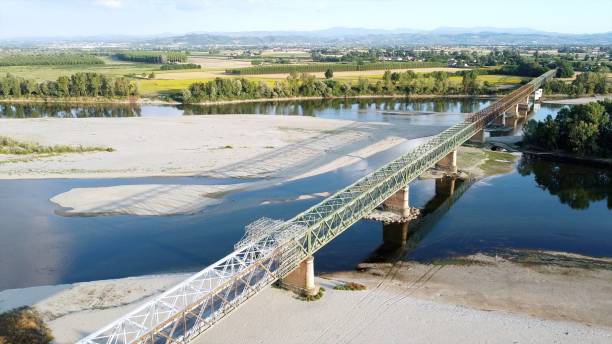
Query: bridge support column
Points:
[511, 122]
[479, 137]
[445, 186]
[399, 202]
[448, 163]
[523, 109]
[395, 234]
[513, 111]
[302, 279]
[499, 120]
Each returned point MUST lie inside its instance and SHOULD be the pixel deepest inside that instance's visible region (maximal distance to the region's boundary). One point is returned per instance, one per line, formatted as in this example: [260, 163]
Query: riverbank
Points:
[472, 299]
[567, 100]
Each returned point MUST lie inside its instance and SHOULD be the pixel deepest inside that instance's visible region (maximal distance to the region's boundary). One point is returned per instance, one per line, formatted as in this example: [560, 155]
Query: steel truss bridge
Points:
[271, 249]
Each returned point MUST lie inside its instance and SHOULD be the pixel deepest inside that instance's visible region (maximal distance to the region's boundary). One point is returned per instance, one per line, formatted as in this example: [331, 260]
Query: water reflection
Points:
[575, 185]
[316, 107]
[38, 110]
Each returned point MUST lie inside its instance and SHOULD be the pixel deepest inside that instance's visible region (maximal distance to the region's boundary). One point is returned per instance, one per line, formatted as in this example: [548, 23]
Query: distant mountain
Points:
[344, 37]
[370, 37]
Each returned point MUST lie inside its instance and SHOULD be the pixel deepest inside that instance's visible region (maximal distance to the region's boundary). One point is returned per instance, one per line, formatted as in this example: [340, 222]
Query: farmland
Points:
[336, 67]
[152, 81]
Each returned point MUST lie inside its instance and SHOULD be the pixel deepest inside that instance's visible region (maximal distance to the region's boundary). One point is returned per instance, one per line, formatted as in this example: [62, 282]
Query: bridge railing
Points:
[197, 303]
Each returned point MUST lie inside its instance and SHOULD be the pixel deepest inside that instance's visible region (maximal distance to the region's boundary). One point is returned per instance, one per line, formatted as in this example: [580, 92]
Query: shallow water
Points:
[528, 210]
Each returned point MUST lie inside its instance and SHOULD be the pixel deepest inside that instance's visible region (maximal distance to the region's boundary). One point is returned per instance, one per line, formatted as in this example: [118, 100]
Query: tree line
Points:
[584, 130]
[152, 56]
[77, 85]
[322, 67]
[588, 83]
[306, 85]
[49, 59]
[174, 66]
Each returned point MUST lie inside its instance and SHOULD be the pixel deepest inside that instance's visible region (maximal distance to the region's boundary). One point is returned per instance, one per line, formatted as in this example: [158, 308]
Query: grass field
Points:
[111, 68]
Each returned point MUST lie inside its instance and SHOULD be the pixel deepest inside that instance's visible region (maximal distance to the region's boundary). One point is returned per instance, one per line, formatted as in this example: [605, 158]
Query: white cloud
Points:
[109, 3]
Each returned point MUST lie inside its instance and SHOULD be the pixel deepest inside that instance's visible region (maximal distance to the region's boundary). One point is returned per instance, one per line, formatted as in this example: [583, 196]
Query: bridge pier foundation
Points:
[479, 137]
[449, 162]
[399, 202]
[523, 109]
[499, 120]
[511, 122]
[301, 280]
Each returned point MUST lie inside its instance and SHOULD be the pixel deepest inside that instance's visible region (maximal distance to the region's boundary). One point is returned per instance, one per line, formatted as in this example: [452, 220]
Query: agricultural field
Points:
[218, 63]
[157, 87]
[336, 67]
[173, 81]
[495, 79]
[110, 68]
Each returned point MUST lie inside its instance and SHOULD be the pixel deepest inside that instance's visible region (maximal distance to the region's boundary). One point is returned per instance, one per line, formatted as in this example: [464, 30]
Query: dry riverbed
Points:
[270, 148]
[523, 297]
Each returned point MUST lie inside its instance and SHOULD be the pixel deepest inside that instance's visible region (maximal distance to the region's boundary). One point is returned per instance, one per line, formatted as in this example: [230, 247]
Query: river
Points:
[540, 205]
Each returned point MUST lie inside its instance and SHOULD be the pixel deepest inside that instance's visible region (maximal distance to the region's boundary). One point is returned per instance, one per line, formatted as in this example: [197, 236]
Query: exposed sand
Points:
[276, 148]
[494, 301]
[75, 310]
[574, 101]
[156, 199]
[244, 146]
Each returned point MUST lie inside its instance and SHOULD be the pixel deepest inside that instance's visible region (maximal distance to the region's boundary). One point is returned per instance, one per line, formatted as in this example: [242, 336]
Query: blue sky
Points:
[39, 18]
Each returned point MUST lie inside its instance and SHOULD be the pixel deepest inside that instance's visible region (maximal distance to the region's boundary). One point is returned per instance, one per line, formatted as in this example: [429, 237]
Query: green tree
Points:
[329, 73]
[564, 69]
[470, 82]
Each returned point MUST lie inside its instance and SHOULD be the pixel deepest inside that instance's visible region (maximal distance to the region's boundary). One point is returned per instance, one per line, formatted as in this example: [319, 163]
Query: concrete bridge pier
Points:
[512, 122]
[537, 95]
[479, 137]
[500, 120]
[523, 109]
[399, 202]
[302, 279]
[449, 162]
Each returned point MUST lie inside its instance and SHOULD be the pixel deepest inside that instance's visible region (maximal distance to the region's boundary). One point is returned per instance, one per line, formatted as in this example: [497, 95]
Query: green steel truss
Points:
[335, 214]
[272, 249]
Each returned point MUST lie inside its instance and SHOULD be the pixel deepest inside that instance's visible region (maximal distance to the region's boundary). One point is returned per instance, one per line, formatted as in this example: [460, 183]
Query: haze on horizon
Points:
[73, 18]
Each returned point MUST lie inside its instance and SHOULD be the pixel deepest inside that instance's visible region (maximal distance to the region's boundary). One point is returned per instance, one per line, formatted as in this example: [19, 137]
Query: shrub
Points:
[352, 286]
[23, 326]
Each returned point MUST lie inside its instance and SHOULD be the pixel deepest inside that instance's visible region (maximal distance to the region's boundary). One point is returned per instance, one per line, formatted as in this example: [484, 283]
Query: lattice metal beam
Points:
[272, 249]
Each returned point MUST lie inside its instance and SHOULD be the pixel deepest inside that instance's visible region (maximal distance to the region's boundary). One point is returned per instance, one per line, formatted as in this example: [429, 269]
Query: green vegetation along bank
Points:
[15, 147]
[305, 85]
[584, 130]
[77, 85]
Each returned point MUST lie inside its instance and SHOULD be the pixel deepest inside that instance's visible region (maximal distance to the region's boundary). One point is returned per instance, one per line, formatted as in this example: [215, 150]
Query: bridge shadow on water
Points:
[400, 239]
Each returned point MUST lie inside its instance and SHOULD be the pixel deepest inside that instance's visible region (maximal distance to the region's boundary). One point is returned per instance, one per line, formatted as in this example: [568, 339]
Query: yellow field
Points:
[162, 86]
[494, 79]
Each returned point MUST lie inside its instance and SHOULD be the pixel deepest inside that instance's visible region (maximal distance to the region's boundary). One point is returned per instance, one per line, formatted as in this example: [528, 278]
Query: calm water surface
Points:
[541, 205]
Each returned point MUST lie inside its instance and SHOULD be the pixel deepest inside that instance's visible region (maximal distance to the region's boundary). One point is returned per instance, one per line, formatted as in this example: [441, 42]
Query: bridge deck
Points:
[276, 248]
